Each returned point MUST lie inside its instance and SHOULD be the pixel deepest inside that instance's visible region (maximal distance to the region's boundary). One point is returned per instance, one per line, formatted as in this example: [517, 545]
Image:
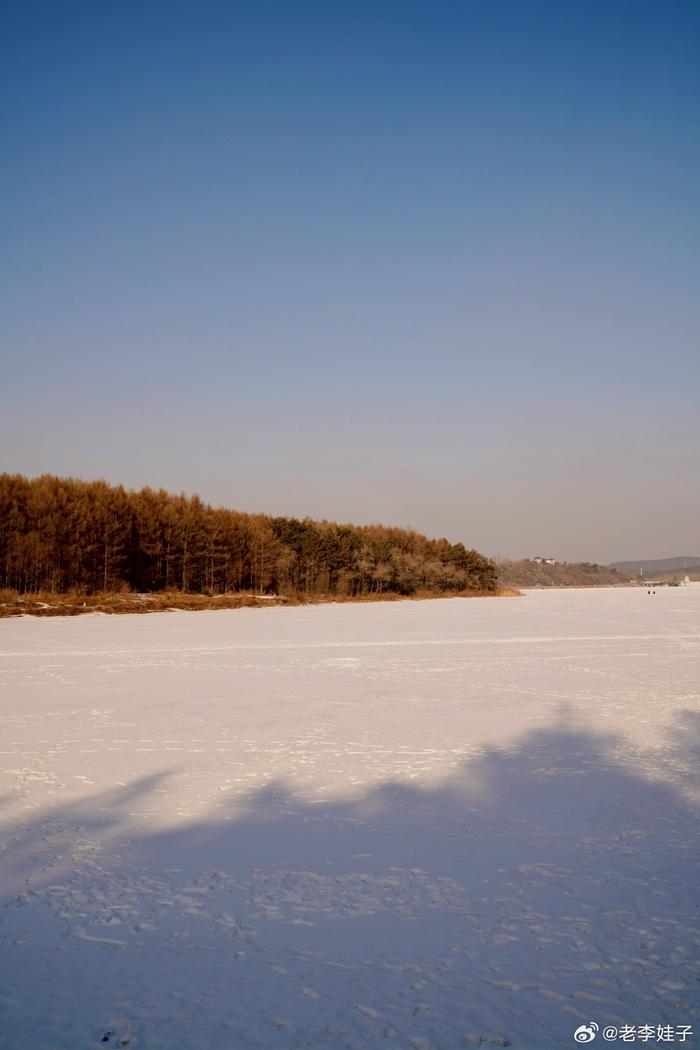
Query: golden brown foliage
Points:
[62, 534]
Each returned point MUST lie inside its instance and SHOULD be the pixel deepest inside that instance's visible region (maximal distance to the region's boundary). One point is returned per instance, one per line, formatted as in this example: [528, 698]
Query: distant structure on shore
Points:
[544, 561]
[685, 582]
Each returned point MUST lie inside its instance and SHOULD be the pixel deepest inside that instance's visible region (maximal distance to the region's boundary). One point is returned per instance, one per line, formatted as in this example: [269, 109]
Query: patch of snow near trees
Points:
[413, 825]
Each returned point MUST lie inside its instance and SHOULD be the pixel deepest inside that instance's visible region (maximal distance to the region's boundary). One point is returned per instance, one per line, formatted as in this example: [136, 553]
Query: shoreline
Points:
[124, 604]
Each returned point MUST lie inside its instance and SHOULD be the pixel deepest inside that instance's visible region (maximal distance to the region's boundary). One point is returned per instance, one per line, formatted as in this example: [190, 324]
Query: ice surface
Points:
[404, 825]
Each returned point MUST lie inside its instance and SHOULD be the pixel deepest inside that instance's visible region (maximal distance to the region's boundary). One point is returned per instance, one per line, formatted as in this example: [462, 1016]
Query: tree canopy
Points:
[58, 534]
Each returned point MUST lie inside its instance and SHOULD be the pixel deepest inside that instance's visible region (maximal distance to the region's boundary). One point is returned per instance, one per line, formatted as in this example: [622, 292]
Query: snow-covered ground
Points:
[402, 825]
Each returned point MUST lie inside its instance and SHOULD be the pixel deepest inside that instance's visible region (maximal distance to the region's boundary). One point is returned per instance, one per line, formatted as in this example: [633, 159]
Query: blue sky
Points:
[432, 264]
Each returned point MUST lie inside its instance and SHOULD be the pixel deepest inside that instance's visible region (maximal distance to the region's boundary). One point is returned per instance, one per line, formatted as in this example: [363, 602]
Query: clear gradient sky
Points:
[432, 264]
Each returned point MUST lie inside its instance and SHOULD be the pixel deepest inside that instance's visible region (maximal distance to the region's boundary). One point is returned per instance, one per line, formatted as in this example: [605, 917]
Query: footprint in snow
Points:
[489, 1040]
[118, 1033]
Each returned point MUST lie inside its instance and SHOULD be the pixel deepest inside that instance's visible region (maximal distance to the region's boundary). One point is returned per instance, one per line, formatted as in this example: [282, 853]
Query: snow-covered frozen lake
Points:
[406, 825]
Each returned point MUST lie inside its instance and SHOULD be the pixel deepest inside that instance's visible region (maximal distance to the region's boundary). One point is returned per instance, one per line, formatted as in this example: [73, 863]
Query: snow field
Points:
[404, 825]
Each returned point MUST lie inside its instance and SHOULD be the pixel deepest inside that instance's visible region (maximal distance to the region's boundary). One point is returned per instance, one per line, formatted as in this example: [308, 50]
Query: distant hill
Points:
[529, 573]
[683, 563]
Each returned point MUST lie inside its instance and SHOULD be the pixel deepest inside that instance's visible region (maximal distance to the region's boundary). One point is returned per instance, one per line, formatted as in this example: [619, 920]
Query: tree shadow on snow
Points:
[540, 887]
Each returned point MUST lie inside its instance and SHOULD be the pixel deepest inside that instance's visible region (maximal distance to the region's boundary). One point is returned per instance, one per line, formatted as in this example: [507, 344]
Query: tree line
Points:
[61, 534]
